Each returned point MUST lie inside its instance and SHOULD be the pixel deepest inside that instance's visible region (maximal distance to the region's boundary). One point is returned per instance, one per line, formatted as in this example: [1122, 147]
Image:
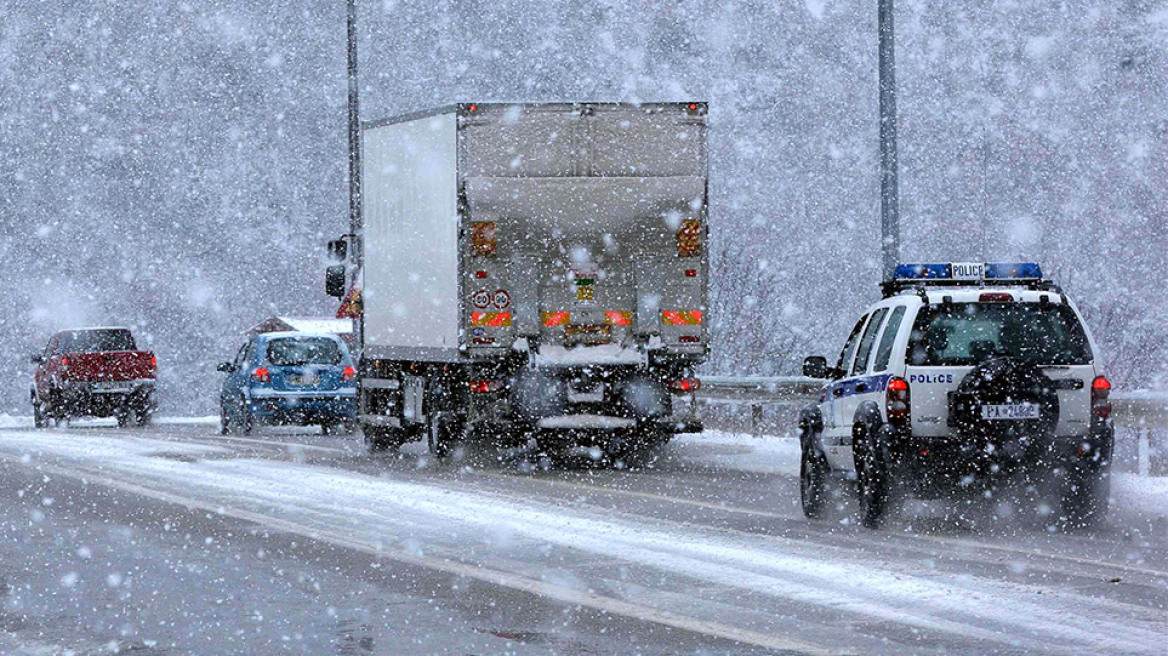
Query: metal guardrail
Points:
[1143, 415]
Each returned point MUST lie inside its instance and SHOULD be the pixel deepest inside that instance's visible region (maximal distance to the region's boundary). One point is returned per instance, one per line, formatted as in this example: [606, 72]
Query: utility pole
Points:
[354, 135]
[889, 192]
[356, 239]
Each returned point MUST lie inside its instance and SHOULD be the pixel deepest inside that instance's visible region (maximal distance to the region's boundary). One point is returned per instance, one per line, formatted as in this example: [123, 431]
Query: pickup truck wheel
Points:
[124, 415]
[141, 417]
[39, 420]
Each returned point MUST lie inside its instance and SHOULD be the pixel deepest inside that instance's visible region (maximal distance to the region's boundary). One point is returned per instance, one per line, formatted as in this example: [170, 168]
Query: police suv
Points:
[963, 374]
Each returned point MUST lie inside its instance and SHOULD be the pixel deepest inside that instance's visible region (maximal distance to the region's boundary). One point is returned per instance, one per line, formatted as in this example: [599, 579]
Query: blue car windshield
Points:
[294, 351]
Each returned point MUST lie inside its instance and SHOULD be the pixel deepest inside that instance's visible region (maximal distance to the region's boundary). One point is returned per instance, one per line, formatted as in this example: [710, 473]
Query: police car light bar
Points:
[968, 271]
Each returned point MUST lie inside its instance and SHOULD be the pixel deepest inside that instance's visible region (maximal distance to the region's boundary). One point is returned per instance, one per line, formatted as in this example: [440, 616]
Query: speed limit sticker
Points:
[502, 299]
[481, 299]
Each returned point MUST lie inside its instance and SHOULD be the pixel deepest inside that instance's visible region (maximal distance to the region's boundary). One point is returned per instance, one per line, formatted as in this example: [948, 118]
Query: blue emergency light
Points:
[973, 271]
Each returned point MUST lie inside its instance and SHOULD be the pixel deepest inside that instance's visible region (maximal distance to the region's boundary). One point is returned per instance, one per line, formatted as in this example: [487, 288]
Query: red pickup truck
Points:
[94, 372]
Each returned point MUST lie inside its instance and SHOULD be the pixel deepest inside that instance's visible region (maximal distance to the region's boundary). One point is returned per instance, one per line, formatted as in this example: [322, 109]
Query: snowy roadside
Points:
[20, 421]
[1146, 495]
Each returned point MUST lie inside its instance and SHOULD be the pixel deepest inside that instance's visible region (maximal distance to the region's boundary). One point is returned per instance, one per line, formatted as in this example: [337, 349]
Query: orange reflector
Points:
[689, 238]
[681, 317]
[490, 319]
[556, 318]
[483, 237]
[618, 318]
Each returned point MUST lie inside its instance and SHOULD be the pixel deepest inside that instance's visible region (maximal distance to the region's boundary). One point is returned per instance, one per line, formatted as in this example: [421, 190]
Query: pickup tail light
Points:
[348, 374]
[64, 362]
[1101, 397]
[153, 364]
[261, 374]
[485, 386]
[896, 402]
[685, 385]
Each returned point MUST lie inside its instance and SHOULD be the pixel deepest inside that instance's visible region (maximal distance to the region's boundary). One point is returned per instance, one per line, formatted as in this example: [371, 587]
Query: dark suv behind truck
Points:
[94, 372]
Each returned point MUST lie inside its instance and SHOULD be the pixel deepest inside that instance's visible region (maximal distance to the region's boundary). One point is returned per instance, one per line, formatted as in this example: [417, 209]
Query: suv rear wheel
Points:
[872, 475]
[1085, 495]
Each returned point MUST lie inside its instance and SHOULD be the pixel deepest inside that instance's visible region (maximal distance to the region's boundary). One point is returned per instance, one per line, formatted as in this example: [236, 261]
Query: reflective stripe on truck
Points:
[490, 319]
[681, 317]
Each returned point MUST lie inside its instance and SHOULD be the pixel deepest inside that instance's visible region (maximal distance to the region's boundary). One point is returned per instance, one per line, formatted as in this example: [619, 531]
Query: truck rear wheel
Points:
[382, 438]
[443, 432]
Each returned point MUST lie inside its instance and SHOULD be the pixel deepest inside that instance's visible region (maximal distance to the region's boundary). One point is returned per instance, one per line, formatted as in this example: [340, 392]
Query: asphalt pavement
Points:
[174, 539]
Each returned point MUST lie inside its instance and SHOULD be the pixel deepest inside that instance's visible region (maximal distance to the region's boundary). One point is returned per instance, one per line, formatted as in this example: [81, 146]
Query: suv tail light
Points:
[348, 374]
[261, 374]
[1101, 397]
[485, 386]
[896, 402]
[685, 385]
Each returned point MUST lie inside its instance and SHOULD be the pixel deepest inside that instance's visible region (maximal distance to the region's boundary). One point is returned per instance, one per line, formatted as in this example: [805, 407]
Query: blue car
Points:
[289, 378]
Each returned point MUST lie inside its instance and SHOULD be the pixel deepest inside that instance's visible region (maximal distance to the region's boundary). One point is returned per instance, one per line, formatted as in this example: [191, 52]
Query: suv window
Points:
[866, 342]
[293, 351]
[969, 333]
[95, 341]
[845, 358]
[884, 353]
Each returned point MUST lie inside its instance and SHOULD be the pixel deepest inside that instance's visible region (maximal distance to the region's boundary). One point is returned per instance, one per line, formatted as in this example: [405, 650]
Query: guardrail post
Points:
[756, 419]
[1143, 442]
[1157, 454]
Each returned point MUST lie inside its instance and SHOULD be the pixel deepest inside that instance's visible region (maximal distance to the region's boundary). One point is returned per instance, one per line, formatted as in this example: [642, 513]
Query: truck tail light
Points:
[685, 385]
[1101, 397]
[485, 386]
[348, 374]
[261, 374]
[896, 402]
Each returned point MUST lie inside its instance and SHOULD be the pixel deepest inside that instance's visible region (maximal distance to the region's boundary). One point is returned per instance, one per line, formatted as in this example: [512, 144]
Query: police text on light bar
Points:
[969, 271]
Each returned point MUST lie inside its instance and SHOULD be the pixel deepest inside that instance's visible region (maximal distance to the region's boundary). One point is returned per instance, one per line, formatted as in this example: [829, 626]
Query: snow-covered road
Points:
[706, 541]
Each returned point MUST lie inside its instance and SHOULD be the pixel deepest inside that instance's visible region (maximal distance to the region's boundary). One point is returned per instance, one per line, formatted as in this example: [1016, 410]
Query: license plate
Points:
[303, 381]
[113, 387]
[593, 394]
[1010, 411]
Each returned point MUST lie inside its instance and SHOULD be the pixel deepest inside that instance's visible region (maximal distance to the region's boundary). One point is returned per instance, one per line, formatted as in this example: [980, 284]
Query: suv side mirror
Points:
[815, 366]
[225, 367]
[338, 250]
[334, 280]
[37, 359]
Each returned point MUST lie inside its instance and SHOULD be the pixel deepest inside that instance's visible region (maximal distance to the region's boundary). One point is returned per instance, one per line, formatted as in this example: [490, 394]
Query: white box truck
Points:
[531, 271]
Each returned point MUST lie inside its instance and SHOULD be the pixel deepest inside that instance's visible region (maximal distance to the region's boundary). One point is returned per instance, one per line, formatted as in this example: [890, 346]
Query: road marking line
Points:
[909, 536]
[494, 577]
